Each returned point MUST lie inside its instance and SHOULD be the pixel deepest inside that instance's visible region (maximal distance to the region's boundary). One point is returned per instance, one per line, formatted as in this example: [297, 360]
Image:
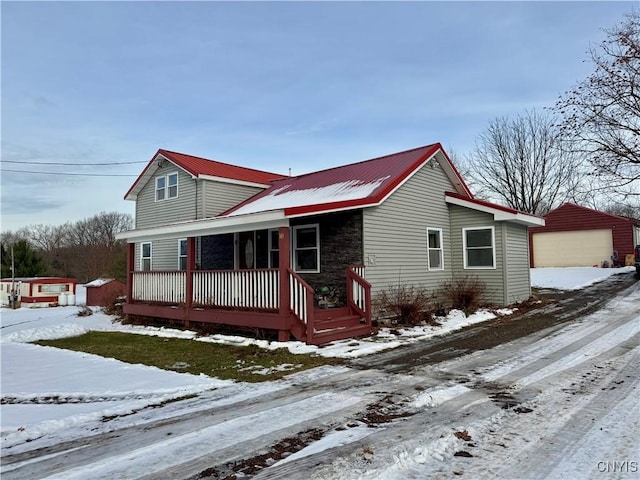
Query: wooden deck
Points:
[268, 299]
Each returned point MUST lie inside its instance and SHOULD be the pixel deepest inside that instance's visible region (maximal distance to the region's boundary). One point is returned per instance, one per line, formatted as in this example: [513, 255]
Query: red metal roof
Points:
[570, 216]
[349, 186]
[197, 166]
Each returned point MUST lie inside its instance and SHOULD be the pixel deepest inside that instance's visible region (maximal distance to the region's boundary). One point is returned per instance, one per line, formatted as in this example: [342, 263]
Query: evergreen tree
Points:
[28, 262]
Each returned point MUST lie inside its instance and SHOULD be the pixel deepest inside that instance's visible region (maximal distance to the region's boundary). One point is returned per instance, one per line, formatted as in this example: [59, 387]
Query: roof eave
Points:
[499, 214]
[139, 184]
[208, 226]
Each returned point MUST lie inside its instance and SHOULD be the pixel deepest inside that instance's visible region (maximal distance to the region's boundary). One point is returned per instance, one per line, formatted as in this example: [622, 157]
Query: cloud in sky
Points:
[300, 85]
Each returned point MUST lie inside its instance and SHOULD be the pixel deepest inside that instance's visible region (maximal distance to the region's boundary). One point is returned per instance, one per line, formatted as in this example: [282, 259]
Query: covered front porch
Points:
[275, 299]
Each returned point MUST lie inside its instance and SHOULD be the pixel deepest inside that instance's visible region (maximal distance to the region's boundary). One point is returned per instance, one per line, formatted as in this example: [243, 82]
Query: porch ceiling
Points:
[208, 226]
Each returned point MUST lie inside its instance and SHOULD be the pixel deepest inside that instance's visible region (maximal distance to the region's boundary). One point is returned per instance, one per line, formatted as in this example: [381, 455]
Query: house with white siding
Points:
[220, 244]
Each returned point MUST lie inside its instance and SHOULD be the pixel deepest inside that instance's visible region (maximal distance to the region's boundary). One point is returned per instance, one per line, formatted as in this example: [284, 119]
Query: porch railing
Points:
[237, 288]
[359, 292]
[159, 286]
[301, 300]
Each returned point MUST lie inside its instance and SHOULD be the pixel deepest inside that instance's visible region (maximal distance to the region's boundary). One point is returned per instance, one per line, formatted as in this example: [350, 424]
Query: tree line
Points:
[84, 250]
[584, 149]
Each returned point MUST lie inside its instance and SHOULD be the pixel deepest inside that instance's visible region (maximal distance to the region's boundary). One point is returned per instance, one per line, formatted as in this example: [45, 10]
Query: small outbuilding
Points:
[575, 236]
[103, 291]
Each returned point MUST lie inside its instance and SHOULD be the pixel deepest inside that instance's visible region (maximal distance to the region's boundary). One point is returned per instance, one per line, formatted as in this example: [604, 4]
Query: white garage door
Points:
[583, 248]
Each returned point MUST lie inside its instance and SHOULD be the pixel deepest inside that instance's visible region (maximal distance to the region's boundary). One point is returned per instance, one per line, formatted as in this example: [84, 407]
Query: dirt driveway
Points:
[555, 309]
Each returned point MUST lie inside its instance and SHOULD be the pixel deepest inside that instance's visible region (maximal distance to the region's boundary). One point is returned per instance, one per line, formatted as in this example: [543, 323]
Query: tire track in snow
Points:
[355, 388]
[608, 340]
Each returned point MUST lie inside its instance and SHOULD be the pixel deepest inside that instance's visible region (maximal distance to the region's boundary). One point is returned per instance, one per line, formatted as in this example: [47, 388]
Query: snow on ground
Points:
[57, 393]
[572, 278]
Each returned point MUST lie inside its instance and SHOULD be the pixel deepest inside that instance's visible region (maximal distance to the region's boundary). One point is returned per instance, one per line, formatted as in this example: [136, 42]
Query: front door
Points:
[246, 250]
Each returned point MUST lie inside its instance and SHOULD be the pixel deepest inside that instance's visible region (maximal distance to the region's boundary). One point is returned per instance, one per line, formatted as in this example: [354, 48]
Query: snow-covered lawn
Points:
[572, 278]
[57, 393]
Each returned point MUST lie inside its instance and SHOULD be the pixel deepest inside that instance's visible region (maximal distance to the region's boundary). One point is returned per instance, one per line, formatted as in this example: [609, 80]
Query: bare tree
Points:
[85, 249]
[524, 164]
[601, 114]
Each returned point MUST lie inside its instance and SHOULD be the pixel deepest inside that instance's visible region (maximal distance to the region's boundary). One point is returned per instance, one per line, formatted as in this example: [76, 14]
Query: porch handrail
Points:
[358, 292]
[301, 296]
[163, 286]
[251, 289]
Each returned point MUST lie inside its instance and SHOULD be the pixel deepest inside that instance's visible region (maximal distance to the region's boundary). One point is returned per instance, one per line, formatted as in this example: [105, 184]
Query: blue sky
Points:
[299, 85]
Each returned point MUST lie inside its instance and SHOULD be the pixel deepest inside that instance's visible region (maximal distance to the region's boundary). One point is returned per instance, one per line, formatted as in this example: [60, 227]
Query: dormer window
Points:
[167, 186]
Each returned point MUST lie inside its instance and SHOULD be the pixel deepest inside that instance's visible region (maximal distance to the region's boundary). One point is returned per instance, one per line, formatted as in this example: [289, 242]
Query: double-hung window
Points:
[182, 254]
[145, 256]
[479, 247]
[306, 248]
[435, 258]
[167, 186]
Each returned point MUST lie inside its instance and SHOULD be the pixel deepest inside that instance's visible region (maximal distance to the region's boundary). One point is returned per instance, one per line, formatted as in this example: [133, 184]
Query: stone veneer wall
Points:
[340, 246]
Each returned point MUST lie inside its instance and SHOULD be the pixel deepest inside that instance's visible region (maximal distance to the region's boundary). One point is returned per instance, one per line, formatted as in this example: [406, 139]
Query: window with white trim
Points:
[479, 247]
[182, 254]
[53, 288]
[145, 256]
[435, 259]
[306, 248]
[274, 248]
[167, 186]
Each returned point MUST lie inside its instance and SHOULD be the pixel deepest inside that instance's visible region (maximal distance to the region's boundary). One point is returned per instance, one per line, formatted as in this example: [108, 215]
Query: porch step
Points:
[325, 336]
[321, 314]
[343, 321]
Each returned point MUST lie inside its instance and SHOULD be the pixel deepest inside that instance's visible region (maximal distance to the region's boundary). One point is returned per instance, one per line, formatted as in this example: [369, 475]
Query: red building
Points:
[575, 236]
[103, 291]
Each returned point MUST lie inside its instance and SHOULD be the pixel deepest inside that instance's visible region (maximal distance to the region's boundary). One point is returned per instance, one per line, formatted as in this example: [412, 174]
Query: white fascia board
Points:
[498, 215]
[521, 218]
[234, 181]
[208, 226]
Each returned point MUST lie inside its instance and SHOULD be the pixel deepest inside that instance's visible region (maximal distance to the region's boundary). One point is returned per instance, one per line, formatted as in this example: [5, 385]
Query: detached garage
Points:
[575, 236]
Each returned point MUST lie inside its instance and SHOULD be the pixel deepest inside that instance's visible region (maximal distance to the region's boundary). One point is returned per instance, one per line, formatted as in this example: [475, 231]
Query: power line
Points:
[69, 174]
[71, 164]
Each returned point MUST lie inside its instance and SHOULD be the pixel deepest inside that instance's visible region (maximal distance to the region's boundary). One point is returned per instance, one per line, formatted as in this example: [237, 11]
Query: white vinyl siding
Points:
[435, 259]
[479, 244]
[306, 248]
